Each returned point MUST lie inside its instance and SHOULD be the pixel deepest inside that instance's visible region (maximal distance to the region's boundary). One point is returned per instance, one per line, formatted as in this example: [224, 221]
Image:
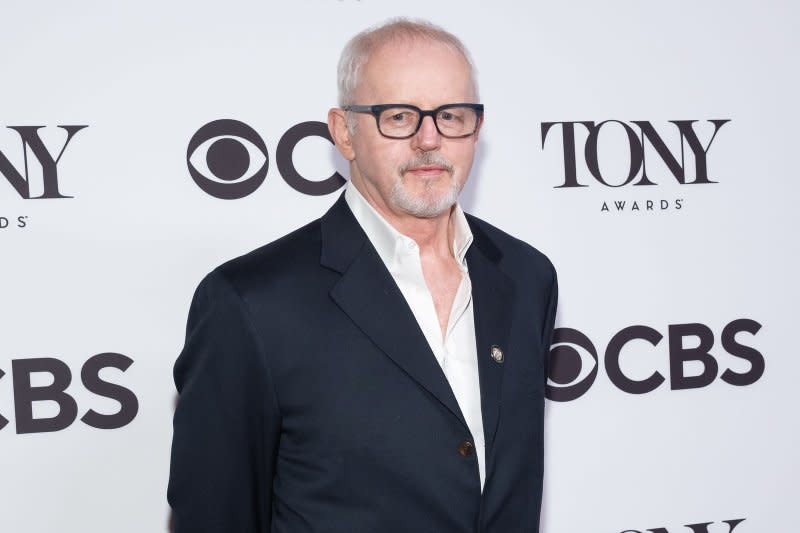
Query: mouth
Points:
[428, 170]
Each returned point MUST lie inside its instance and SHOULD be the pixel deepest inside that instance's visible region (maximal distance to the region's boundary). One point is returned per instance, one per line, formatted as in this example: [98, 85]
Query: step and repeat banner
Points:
[649, 149]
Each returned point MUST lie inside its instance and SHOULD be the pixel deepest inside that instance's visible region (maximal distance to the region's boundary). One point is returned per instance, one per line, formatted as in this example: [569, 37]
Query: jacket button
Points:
[466, 449]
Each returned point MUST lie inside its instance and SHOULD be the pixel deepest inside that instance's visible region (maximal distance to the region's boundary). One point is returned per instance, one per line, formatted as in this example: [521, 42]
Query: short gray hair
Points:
[357, 51]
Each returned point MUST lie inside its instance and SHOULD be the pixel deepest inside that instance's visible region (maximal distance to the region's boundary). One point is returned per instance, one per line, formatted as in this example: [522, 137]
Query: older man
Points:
[381, 369]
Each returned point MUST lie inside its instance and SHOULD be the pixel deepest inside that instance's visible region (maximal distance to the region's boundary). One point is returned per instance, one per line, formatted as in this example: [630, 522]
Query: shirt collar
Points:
[388, 241]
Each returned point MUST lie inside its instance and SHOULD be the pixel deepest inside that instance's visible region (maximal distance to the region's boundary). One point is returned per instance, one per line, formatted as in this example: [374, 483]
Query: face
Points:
[420, 176]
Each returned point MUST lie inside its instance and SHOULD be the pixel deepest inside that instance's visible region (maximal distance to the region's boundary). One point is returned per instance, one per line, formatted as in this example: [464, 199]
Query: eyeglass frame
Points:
[376, 110]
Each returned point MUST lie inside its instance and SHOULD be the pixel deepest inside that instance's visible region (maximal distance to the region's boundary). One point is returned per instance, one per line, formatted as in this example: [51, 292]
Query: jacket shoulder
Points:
[276, 261]
[509, 250]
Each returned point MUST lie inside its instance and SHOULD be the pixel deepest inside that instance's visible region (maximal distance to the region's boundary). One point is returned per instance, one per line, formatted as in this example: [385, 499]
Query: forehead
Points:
[423, 73]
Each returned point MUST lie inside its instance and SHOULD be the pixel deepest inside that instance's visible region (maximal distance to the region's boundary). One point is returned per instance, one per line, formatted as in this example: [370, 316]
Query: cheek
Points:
[462, 157]
[384, 158]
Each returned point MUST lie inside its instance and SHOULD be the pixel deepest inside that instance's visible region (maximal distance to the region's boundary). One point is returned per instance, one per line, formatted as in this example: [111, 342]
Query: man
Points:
[381, 369]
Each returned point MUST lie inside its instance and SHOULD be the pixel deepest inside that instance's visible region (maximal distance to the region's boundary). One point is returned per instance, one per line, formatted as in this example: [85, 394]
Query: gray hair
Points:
[357, 51]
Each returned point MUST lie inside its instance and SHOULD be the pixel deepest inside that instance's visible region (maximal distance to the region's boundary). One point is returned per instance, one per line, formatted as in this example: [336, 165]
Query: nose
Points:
[427, 136]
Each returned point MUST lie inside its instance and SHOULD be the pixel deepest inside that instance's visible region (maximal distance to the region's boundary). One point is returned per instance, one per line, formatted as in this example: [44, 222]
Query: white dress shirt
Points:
[456, 352]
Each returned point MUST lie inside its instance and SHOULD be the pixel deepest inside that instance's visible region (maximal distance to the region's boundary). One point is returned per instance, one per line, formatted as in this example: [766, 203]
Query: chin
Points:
[428, 204]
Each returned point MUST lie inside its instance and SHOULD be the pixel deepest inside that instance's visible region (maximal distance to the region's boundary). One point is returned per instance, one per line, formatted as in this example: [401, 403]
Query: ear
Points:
[337, 127]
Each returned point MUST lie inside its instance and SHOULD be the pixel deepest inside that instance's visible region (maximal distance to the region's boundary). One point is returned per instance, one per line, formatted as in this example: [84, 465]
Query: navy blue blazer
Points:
[310, 400]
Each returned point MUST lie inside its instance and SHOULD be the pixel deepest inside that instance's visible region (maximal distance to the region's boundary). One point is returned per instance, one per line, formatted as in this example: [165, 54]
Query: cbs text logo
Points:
[572, 374]
[60, 377]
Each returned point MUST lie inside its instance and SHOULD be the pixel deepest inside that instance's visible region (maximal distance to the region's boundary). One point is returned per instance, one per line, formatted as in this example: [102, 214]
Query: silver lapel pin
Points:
[497, 353]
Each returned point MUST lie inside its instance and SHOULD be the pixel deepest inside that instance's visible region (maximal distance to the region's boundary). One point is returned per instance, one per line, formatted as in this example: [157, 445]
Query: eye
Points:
[572, 365]
[451, 115]
[227, 159]
[394, 117]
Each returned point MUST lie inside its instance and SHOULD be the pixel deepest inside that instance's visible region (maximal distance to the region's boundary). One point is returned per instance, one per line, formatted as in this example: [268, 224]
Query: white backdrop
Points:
[112, 268]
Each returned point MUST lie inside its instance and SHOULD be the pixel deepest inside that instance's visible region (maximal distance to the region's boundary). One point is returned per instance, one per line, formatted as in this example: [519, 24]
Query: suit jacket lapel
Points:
[367, 293]
[493, 305]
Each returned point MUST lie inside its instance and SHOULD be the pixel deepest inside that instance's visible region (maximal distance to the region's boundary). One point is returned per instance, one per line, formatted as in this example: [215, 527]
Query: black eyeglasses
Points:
[401, 121]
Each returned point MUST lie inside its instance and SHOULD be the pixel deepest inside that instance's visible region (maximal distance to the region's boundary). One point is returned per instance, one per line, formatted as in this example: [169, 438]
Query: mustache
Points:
[425, 159]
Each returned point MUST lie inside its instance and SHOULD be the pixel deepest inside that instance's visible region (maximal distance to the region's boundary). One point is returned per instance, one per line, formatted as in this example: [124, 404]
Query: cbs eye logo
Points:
[569, 370]
[574, 361]
[229, 160]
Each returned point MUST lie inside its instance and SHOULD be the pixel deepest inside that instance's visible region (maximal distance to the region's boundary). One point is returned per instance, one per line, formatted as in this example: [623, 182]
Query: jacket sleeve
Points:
[226, 424]
[549, 323]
